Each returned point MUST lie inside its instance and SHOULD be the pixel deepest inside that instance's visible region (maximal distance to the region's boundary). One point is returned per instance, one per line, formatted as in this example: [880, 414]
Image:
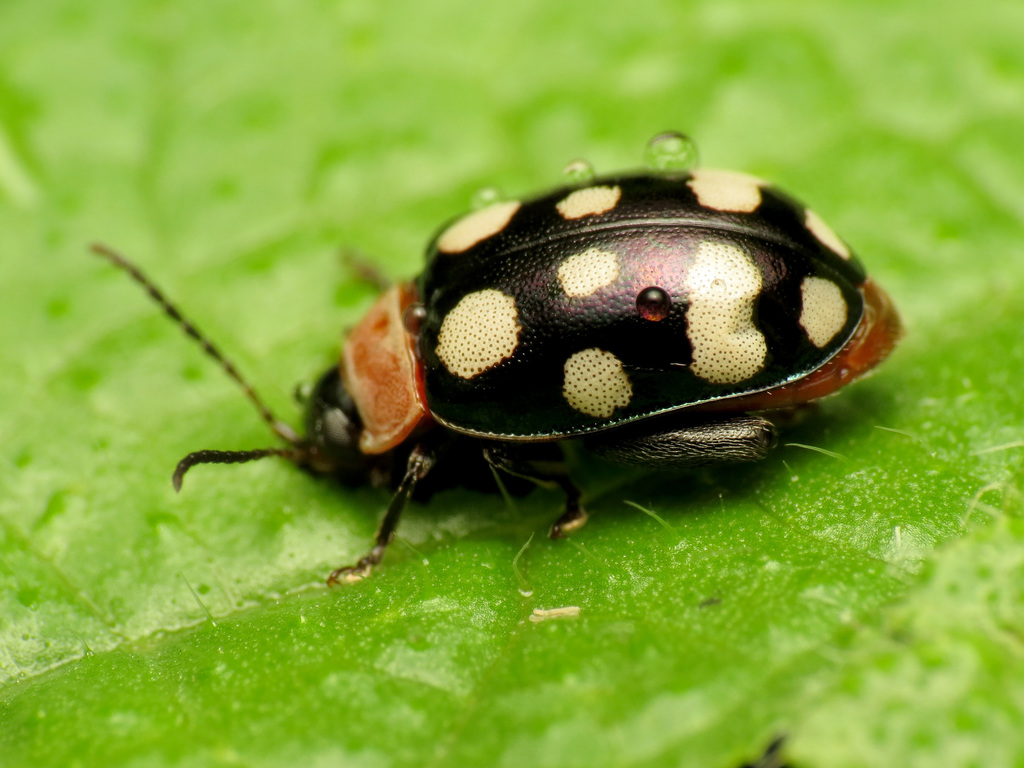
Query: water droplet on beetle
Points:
[484, 197]
[526, 592]
[303, 391]
[653, 303]
[671, 151]
[413, 317]
[578, 172]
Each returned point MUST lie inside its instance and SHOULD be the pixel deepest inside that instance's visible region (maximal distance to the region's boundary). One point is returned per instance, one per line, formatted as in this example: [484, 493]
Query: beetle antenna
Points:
[280, 428]
[230, 457]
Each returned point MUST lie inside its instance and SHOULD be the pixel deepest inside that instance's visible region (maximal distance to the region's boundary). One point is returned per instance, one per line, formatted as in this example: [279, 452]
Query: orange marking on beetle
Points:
[380, 372]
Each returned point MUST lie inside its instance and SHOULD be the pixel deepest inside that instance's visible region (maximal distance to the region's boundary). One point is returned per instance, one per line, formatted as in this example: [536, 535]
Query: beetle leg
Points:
[571, 520]
[710, 440]
[545, 472]
[421, 461]
[364, 268]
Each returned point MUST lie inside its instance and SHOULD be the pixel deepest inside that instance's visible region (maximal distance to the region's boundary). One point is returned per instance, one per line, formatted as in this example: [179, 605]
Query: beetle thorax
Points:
[381, 373]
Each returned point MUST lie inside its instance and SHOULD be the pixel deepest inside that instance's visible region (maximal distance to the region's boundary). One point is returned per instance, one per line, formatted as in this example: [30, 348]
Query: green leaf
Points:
[860, 598]
[939, 677]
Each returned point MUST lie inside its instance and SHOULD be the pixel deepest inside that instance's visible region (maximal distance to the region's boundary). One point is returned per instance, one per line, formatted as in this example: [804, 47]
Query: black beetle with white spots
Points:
[662, 317]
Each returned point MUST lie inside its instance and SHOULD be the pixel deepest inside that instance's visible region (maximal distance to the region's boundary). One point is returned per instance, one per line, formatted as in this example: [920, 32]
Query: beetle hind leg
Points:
[687, 443]
[536, 463]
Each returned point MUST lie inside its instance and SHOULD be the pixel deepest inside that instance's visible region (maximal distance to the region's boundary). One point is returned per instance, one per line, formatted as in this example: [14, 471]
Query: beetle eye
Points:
[653, 304]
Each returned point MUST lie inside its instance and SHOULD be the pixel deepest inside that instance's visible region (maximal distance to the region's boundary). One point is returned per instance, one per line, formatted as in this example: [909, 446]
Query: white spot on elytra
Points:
[824, 233]
[477, 226]
[481, 331]
[595, 383]
[584, 273]
[726, 191]
[823, 313]
[723, 282]
[589, 201]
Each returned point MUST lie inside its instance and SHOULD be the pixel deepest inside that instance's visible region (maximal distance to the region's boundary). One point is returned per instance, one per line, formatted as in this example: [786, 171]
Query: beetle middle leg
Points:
[543, 464]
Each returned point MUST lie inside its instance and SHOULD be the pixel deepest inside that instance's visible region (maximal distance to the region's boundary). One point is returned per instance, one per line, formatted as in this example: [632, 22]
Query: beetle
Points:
[660, 316]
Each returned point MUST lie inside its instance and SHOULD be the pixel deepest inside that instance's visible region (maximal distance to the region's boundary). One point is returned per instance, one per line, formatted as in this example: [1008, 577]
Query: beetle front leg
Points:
[421, 461]
[546, 471]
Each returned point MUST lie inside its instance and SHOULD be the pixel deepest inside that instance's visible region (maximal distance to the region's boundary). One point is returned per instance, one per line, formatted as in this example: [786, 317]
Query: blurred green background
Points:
[866, 605]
